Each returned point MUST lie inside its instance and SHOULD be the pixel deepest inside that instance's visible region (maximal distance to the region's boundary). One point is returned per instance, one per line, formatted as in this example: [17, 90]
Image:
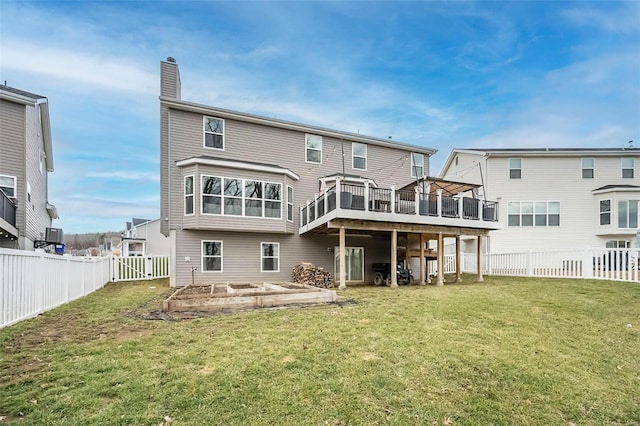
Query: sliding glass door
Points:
[354, 260]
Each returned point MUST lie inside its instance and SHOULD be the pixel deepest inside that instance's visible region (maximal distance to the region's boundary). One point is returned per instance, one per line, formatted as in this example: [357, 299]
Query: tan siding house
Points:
[26, 158]
[243, 196]
[555, 198]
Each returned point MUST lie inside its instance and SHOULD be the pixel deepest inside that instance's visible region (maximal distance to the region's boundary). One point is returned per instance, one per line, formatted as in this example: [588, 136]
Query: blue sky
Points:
[439, 74]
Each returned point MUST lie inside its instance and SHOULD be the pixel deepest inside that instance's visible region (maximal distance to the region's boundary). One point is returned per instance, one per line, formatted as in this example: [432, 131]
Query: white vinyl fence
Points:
[33, 282]
[604, 264]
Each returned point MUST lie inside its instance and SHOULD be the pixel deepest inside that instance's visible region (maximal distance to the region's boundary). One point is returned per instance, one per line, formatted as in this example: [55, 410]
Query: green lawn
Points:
[509, 351]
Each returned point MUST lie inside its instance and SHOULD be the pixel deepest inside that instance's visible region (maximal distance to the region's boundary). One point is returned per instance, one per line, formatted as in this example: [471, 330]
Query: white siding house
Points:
[555, 198]
[142, 237]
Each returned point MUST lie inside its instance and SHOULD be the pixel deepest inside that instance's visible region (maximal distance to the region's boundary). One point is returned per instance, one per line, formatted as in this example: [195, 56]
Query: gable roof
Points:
[17, 95]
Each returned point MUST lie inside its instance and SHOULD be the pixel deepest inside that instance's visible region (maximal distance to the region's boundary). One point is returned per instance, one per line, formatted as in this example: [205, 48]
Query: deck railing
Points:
[391, 200]
[7, 209]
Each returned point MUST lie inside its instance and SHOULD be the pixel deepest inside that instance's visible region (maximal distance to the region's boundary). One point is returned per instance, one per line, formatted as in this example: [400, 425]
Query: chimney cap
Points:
[171, 59]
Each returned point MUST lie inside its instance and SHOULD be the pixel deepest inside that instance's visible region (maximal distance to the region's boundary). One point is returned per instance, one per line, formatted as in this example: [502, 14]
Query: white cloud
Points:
[104, 71]
[624, 19]
[125, 175]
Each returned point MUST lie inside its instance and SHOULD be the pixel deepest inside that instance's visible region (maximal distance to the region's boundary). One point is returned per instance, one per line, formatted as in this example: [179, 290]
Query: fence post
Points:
[338, 195]
[148, 267]
[66, 278]
[587, 264]
[39, 284]
[489, 264]
[417, 200]
[530, 263]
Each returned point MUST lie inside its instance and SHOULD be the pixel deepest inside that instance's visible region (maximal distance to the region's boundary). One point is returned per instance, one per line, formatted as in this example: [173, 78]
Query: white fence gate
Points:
[35, 282]
[139, 268]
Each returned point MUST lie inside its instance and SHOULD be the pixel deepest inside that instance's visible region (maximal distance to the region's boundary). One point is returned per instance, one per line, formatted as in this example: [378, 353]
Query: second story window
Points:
[241, 197]
[211, 195]
[289, 203]
[628, 214]
[628, 168]
[313, 144]
[233, 197]
[515, 168]
[359, 154]
[605, 212]
[534, 213]
[417, 165]
[188, 195]
[588, 166]
[272, 200]
[8, 185]
[213, 133]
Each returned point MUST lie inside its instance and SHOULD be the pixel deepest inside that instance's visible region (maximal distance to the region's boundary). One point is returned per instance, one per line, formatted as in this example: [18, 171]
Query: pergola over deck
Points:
[422, 208]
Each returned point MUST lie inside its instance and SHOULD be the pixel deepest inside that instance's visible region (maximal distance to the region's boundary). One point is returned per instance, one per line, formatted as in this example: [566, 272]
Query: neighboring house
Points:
[245, 198]
[143, 237]
[555, 198]
[26, 158]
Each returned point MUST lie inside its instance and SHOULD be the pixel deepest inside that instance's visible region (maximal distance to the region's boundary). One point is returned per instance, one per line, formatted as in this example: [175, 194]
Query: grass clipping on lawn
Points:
[507, 351]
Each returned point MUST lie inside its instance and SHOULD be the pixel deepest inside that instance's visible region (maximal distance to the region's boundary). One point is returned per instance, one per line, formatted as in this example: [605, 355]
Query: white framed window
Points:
[253, 198]
[588, 168]
[359, 156]
[188, 196]
[618, 244]
[313, 145]
[211, 195]
[605, 212]
[417, 165]
[534, 213]
[232, 197]
[289, 203]
[213, 132]
[272, 200]
[628, 166]
[240, 197]
[8, 185]
[628, 214]
[211, 256]
[515, 168]
[269, 257]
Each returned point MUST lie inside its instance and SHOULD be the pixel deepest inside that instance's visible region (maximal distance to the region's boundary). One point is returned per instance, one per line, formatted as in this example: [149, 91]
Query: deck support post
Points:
[458, 263]
[343, 259]
[394, 258]
[423, 262]
[479, 277]
[440, 280]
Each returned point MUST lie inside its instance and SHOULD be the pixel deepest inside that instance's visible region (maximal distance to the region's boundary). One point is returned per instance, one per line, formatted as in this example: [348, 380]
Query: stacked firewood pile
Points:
[309, 274]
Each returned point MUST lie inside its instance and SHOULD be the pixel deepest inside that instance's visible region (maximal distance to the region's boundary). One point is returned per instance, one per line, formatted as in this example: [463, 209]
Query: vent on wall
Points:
[53, 235]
